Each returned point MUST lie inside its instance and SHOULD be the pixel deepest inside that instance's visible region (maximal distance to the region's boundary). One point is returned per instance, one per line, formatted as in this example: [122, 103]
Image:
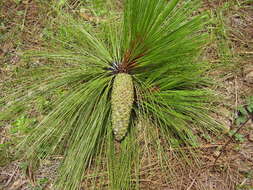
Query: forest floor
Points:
[22, 23]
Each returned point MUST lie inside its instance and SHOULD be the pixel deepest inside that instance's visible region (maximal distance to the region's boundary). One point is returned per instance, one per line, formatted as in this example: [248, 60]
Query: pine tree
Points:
[136, 78]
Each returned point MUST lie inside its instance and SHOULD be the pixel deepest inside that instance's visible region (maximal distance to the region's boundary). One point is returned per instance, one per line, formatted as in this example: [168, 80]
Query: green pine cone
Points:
[122, 102]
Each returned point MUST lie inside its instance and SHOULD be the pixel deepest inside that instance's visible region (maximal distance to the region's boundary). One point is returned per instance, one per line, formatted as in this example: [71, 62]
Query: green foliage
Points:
[244, 111]
[221, 34]
[43, 104]
[97, 7]
[5, 154]
[238, 137]
[41, 184]
[23, 166]
[22, 125]
[244, 187]
[17, 1]
[249, 106]
[158, 43]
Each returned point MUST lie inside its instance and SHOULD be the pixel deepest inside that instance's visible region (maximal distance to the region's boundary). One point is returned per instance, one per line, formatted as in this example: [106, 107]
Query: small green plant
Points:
[41, 183]
[244, 111]
[244, 187]
[238, 137]
[5, 153]
[17, 1]
[22, 125]
[207, 137]
[249, 106]
[43, 105]
[23, 166]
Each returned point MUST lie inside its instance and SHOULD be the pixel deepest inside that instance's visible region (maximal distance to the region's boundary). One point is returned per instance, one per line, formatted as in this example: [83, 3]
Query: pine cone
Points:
[122, 102]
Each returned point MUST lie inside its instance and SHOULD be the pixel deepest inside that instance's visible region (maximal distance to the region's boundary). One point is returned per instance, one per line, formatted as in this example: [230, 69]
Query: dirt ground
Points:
[21, 27]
